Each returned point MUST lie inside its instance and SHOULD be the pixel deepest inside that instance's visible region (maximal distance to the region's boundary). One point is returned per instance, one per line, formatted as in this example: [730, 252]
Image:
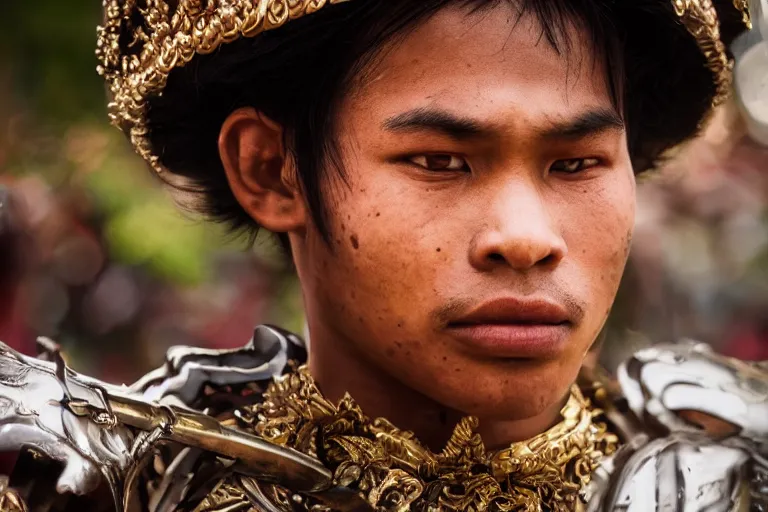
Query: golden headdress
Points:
[142, 42]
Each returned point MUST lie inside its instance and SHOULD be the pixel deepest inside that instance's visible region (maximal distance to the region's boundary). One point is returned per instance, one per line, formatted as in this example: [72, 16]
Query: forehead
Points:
[493, 64]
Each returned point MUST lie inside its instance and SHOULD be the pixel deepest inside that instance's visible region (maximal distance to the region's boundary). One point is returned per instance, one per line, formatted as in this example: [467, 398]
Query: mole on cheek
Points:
[355, 241]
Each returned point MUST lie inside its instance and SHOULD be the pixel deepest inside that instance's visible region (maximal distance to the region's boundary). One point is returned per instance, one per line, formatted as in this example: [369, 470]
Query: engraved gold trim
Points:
[166, 39]
[743, 7]
[392, 470]
[10, 500]
[701, 19]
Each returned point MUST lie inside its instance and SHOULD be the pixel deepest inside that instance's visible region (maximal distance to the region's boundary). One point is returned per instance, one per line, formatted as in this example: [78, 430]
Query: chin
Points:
[514, 390]
[519, 408]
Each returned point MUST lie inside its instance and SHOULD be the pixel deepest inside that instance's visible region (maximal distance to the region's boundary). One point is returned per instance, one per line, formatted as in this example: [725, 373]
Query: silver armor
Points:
[705, 442]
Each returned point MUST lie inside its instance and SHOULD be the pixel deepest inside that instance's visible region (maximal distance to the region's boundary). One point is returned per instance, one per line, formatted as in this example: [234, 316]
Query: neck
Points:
[338, 369]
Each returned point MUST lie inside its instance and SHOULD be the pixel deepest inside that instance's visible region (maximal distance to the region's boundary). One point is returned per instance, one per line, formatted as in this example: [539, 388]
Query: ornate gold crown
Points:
[140, 45]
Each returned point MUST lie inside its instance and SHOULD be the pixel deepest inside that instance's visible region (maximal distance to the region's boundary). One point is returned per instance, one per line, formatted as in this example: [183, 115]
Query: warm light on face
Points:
[486, 219]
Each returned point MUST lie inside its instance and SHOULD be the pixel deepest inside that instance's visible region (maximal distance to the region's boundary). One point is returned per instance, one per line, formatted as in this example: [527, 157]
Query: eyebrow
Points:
[585, 124]
[462, 128]
[441, 121]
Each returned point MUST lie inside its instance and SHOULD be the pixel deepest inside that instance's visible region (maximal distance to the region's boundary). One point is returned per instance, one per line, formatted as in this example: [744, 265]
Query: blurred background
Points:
[97, 257]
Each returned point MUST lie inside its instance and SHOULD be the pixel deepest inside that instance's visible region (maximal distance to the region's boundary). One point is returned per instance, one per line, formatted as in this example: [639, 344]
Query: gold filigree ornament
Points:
[743, 7]
[10, 500]
[701, 19]
[393, 471]
[142, 41]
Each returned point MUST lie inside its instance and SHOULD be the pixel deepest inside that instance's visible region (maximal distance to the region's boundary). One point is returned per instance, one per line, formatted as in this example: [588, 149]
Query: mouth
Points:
[513, 328]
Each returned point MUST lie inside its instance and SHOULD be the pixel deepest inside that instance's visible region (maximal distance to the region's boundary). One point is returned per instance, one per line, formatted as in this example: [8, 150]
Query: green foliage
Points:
[49, 47]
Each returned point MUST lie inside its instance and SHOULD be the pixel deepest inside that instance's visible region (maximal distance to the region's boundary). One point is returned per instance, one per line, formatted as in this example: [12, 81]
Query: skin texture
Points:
[414, 249]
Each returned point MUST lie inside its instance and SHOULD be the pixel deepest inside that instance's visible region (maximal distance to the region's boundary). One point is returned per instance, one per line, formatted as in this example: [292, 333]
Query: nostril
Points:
[494, 256]
[547, 260]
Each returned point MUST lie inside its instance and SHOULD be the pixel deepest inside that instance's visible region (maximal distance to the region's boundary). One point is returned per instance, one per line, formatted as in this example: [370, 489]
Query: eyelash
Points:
[448, 162]
[593, 162]
[423, 161]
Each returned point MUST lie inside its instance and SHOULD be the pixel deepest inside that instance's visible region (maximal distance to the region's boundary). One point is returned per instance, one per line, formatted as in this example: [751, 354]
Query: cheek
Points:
[385, 248]
[599, 234]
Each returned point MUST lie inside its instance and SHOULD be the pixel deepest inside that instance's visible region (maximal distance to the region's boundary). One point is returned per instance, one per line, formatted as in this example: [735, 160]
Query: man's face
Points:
[481, 235]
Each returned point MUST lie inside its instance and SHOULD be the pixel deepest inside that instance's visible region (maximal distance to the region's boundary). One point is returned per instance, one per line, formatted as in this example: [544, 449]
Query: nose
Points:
[519, 233]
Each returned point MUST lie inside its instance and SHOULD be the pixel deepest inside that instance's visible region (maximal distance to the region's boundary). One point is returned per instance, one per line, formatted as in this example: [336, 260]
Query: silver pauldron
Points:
[100, 431]
[704, 442]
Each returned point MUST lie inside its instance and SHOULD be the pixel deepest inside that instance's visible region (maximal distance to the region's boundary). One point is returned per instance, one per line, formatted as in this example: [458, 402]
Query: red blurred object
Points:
[14, 249]
[748, 343]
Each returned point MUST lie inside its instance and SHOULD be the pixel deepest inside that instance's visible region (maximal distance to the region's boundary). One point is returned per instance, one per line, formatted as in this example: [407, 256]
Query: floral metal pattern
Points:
[392, 470]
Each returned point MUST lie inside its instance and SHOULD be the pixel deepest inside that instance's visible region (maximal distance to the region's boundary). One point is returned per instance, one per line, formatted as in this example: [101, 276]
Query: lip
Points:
[514, 328]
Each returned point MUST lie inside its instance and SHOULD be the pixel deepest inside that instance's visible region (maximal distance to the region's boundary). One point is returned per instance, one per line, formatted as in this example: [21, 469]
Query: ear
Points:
[261, 174]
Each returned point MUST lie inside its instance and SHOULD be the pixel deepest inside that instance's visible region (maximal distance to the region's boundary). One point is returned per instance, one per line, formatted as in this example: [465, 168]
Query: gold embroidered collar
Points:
[392, 470]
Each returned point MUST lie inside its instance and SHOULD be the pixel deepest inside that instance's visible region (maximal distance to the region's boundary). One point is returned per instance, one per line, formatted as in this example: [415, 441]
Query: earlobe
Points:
[260, 171]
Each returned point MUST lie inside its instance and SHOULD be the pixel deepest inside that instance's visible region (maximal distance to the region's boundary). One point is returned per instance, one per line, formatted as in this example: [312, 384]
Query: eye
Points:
[573, 165]
[438, 162]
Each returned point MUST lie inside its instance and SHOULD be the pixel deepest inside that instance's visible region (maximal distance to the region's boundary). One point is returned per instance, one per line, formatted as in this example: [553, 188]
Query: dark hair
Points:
[297, 74]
